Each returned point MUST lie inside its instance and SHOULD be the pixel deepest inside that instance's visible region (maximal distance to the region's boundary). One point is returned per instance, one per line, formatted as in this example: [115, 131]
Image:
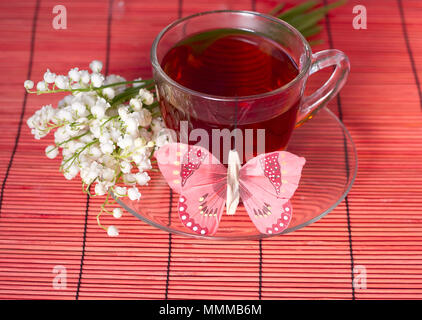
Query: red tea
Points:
[233, 63]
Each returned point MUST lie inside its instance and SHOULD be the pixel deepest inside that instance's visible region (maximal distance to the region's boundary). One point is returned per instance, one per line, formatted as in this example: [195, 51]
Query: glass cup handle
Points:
[320, 60]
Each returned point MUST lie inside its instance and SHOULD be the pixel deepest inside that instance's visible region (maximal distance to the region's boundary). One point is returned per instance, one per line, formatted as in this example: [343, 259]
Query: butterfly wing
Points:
[201, 181]
[267, 182]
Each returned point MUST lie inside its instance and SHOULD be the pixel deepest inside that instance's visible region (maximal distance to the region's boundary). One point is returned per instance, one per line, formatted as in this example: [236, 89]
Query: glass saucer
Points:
[327, 177]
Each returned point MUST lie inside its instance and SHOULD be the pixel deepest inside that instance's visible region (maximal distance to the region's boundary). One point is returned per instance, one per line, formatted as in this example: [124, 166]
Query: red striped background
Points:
[47, 221]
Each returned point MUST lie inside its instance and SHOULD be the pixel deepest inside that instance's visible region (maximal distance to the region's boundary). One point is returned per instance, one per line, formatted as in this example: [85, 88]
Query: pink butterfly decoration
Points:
[265, 185]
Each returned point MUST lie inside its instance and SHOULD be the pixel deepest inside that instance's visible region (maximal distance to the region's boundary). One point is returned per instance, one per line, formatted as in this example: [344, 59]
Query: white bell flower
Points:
[109, 93]
[42, 86]
[108, 174]
[100, 189]
[85, 77]
[133, 193]
[98, 111]
[146, 96]
[131, 124]
[107, 148]
[136, 104]
[123, 112]
[28, 84]
[125, 142]
[49, 77]
[144, 117]
[145, 165]
[117, 213]
[97, 80]
[112, 231]
[51, 151]
[129, 179]
[120, 191]
[71, 172]
[142, 178]
[79, 108]
[125, 166]
[96, 66]
[62, 82]
[74, 74]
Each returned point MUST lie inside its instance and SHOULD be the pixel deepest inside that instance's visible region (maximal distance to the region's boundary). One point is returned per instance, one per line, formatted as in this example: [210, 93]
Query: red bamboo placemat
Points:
[46, 221]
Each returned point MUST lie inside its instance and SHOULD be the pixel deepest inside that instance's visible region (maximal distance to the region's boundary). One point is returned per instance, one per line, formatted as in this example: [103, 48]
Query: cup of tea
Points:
[241, 75]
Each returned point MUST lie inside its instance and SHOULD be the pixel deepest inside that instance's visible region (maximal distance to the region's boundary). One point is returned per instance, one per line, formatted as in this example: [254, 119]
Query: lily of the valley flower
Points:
[106, 143]
[112, 231]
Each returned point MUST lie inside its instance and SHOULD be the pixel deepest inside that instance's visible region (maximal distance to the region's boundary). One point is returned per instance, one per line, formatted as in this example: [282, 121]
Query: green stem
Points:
[111, 118]
[76, 155]
[74, 138]
[299, 9]
[144, 82]
[129, 93]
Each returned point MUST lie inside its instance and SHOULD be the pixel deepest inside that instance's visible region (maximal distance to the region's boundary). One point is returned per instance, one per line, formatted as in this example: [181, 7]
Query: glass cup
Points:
[278, 112]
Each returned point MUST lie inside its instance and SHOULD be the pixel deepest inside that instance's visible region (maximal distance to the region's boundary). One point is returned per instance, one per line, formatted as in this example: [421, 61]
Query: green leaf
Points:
[276, 9]
[129, 93]
[315, 42]
[311, 31]
[320, 12]
[293, 12]
[307, 21]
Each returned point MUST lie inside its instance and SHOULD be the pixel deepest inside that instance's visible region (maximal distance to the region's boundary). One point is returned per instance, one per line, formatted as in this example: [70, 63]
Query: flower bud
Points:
[112, 231]
[28, 84]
